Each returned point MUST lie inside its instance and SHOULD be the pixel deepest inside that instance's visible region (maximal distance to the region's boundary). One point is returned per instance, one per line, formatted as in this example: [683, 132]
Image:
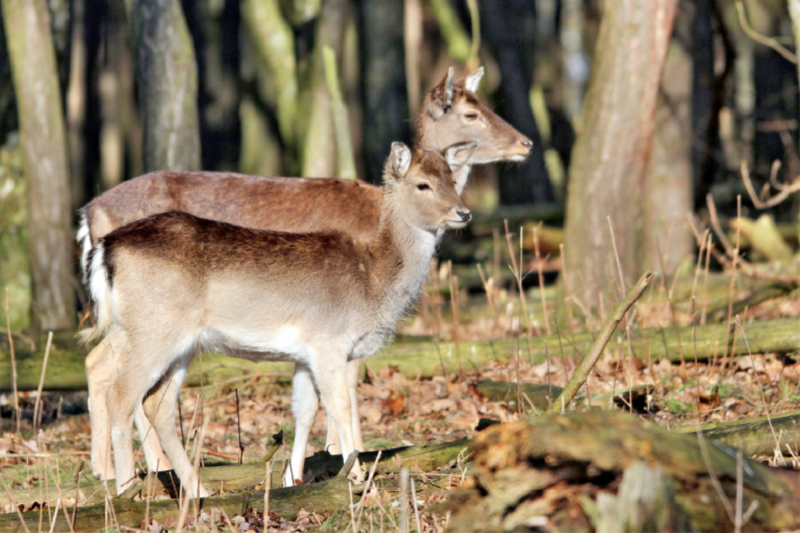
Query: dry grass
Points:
[398, 409]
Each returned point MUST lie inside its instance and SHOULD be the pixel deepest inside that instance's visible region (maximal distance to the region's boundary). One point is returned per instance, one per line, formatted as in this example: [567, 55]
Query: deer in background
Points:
[451, 113]
[174, 283]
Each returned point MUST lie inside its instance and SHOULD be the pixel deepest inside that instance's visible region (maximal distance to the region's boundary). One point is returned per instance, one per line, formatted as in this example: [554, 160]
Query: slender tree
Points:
[508, 27]
[33, 63]
[166, 72]
[383, 81]
[610, 156]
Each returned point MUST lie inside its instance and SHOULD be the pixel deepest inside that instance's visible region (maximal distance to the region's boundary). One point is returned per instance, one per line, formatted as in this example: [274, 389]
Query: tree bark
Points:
[27, 24]
[755, 436]
[383, 82]
[610, 155]
[167, 77]
[667, 188]
[508, 27]
[567, 471]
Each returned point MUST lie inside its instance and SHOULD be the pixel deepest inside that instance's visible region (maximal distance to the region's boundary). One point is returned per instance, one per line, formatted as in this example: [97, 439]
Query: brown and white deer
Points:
[451, 113]
[173, 283]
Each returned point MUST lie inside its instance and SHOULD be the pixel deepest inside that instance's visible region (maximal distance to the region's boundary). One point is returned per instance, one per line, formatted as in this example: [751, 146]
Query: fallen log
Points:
[425, 359]
[423, 458]
[580, 471]
[541, 396]
[755, 436]
[327, 496]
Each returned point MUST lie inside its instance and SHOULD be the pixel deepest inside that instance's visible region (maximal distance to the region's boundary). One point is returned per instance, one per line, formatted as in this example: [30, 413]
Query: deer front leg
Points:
[305, 404]
[330, 376]
[332, 441]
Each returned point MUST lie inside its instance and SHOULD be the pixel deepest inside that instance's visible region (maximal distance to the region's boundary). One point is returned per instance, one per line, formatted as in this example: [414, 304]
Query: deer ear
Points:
[442, 94]
[472, 81]
[448, 89]
[401, 159]
[458, 155]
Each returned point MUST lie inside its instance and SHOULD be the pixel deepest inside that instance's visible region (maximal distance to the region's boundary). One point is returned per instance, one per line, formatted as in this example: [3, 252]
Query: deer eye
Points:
[424, 187]
[470, 116]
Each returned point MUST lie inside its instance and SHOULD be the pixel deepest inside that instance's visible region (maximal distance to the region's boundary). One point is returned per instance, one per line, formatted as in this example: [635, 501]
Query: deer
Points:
[173, 283]
[451, 113]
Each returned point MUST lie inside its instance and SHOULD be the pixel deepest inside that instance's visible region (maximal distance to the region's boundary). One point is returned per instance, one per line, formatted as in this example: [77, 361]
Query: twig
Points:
[541, 276]
[11, 499]
[455, 315]
[785, 190]
[414, 498]
[239, 428]
[732, 284]
[13, 361]
[762, 39]
[404, 500]
[617, 314]
[41, 383]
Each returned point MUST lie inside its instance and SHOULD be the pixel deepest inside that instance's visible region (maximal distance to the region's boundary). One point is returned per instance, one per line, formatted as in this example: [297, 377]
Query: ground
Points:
[397, 409]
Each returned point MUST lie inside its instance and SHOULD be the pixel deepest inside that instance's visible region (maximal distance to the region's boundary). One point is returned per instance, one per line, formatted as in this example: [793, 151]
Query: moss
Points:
[14, 266]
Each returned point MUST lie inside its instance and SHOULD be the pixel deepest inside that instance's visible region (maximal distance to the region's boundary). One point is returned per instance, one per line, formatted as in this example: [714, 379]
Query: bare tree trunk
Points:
[508, 28]
[167, 74]
[610, 155]
[383, 82]
[667, 190]
[33, 62]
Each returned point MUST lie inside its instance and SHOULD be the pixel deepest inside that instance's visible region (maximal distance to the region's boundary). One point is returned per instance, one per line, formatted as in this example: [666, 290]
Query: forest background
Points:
[667, 102]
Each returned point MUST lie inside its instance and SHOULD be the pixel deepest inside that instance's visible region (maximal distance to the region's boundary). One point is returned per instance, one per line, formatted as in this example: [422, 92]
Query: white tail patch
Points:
[100, 290]
[86, 247]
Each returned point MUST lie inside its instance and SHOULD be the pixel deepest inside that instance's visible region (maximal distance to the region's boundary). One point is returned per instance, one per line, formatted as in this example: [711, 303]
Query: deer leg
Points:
[332, 441]
[160, 409]
[331, 381]
[122, 398]
[353, 368]
[100, 370]
[305, 404]
[153, 454]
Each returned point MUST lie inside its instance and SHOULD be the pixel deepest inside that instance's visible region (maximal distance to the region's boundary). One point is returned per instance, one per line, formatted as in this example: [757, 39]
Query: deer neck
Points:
[400, 258]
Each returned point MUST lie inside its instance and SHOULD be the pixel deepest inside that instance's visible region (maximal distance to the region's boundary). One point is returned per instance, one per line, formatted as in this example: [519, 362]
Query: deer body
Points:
[173, 283]
[451, 113]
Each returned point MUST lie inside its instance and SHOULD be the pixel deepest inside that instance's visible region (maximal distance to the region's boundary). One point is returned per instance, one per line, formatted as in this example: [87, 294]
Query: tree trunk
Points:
[667, 188]
[27, 24]
[383, 82]
[508, 27]
[610, 156]
[167, 77]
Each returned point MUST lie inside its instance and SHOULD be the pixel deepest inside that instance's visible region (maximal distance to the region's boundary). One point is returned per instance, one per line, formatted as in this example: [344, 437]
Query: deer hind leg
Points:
[331, 381]
[159, 407]
[332, 444]
[123, 397]
[100, 373]
[153, 454]
[305, 404]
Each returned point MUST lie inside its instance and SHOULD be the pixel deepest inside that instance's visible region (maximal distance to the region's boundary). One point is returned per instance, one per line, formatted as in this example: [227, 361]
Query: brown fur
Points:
[173, 282]
[284, 204]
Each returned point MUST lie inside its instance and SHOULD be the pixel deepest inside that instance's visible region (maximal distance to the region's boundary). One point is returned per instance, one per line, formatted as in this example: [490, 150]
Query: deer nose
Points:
[465, 215]
[527, 143]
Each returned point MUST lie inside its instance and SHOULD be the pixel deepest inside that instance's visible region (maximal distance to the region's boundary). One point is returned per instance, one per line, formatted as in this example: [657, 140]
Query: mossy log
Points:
[321, 497]
[755, 436]
[224, 478]
[425, 359]
[565, 472]
[541, 396]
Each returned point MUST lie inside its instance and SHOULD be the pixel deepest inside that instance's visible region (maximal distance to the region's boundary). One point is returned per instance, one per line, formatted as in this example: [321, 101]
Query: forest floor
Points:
[241, 416]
